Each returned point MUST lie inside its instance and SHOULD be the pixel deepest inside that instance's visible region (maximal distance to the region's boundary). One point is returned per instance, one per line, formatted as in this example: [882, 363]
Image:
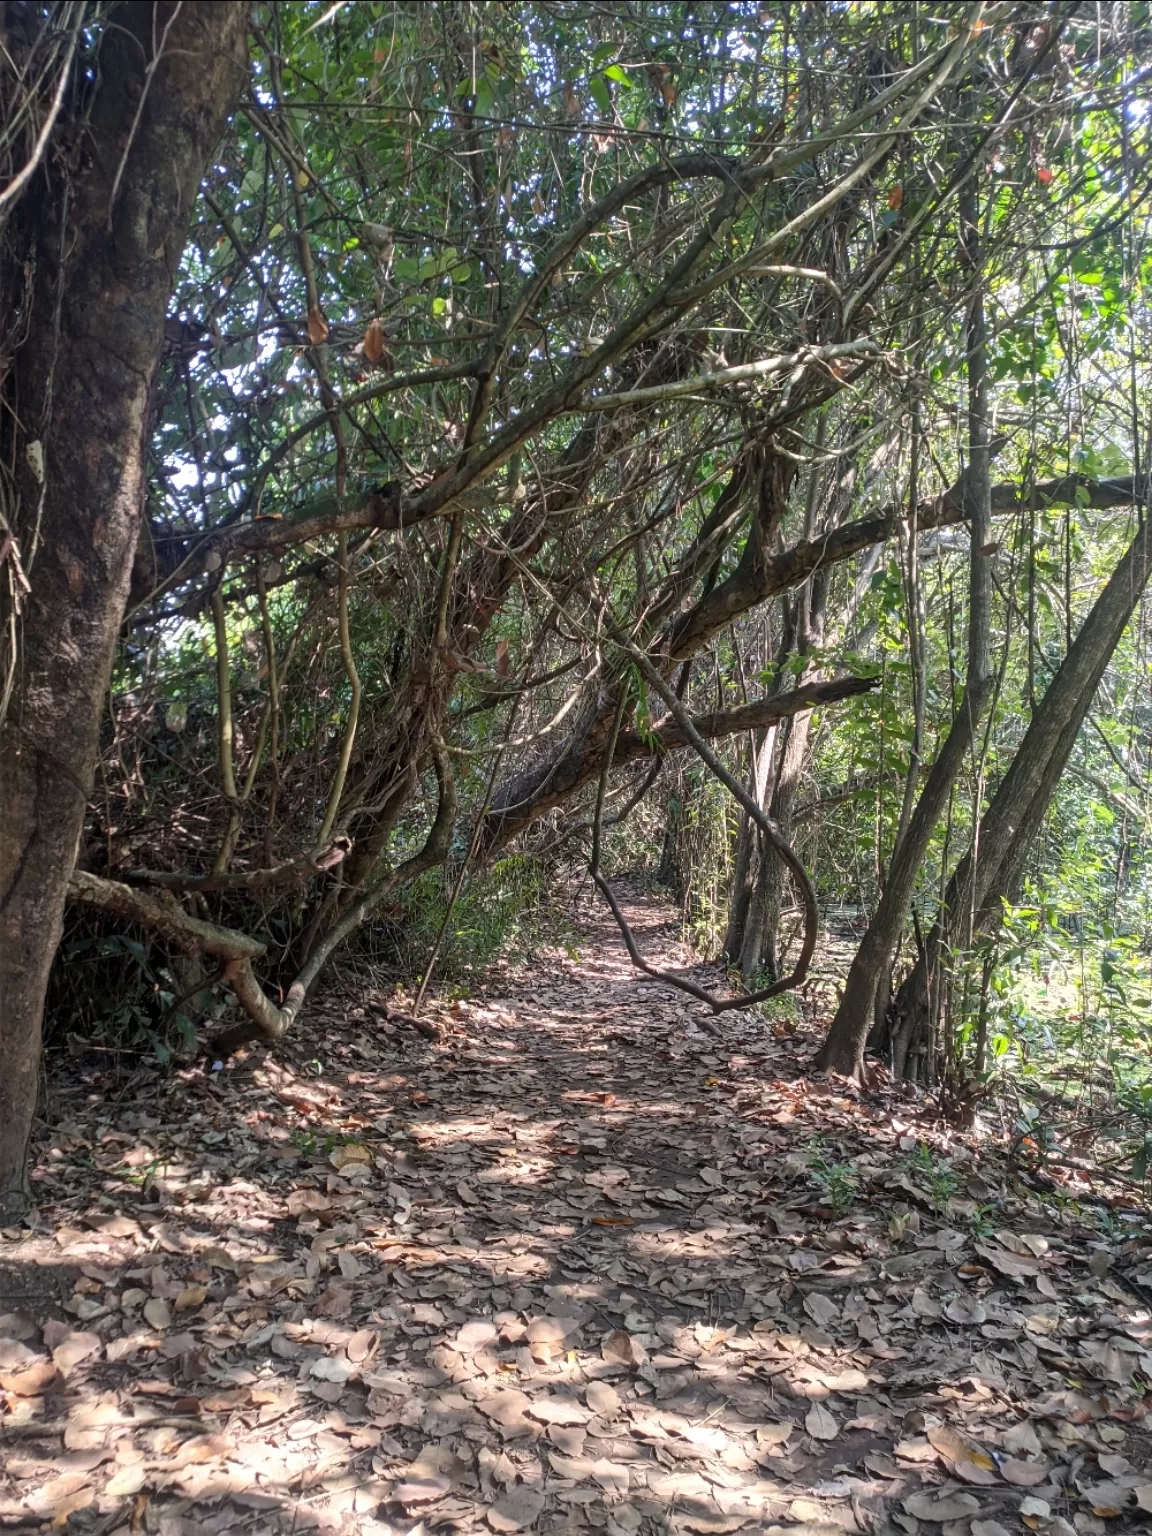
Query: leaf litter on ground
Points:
[572, 1265]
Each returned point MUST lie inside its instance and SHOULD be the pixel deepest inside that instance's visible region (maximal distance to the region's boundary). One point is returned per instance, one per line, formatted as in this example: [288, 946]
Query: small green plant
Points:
[1033, 1137]
[140, 1176]
[934, 1175]
[308, 1144]
[837, 1182]
[776, 1010]
[984, 1220]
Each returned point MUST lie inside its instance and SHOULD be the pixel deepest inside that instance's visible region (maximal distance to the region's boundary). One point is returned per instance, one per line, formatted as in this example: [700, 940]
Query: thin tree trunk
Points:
[978, 887]
[104, 247]
[843, 1050]
[745, 876]
[762, 941]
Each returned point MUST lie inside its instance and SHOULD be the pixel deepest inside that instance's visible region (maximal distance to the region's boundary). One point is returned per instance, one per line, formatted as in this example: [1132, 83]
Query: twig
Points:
[768, 827]
[225, 742]
[20, 180]
[149, 75]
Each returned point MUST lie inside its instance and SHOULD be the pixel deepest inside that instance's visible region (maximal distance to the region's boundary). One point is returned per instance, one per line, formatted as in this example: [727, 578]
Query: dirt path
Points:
[574, 1266]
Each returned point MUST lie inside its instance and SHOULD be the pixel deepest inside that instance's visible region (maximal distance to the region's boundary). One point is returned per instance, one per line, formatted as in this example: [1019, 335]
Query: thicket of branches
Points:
[551, 389]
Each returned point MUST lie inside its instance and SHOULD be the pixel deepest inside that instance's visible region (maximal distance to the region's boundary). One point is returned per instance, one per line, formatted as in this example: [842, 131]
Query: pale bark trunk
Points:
[744, 870]
[769, 898]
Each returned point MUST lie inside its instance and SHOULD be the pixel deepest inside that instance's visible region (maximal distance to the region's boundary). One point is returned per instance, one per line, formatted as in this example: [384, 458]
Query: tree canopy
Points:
[693, 434]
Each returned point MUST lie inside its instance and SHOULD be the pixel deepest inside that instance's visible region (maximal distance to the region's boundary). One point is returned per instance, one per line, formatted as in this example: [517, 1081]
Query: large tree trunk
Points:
[843, 1050]
[101, 230]
[984, 879]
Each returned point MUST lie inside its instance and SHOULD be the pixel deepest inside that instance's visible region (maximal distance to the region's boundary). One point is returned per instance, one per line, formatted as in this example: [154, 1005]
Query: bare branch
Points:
[294, 871]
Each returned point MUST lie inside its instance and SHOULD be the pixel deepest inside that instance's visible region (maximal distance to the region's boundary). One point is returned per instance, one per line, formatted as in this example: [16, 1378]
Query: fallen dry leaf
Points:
[948, 1506]
[75, 1347]
[1023, 1474]
[506, 1408]
[157, 1313]
[518, 1509]
[969, 1462]
[622, 1349]
[820, 1424]
[474, 1336]
[602, 1398]
[558, 1410]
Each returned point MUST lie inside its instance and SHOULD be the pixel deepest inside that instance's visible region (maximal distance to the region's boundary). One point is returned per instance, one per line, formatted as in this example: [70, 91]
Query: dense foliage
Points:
[537, 372]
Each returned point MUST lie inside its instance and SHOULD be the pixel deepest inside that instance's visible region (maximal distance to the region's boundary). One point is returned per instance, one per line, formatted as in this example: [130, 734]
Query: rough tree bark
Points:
[843, 1050]
[92, 256]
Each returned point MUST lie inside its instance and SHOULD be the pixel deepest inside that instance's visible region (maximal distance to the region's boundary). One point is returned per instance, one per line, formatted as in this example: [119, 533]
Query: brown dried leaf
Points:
[301, 1201]
[820, 1424]
[1023, 1474]
[25, 1373]
[506, 1408]
[516, 1510]
[62, 1496]
[473, 1336]
[558, 1410]
[1107, 1499]
[821, 1310]
[415, 1492]
[951, 1506]
[75, 1347]
[157, 1313]
[620, 1348]
[602, 1398]
[374, 342]
[551, 1330]
[1007, 1263]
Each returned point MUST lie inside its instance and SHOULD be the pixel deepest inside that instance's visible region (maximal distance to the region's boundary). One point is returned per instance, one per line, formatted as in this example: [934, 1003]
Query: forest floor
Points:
[576, 1264]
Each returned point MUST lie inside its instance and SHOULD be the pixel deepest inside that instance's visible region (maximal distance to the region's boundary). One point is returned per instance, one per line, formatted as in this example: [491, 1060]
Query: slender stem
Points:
[469, 855]
[448, 571]
[273, 716]
[353, 708]
[771, 834]
[225, 732]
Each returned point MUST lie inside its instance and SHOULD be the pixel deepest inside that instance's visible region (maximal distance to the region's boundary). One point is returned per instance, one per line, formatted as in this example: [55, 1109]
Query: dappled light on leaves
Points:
[321, 1297]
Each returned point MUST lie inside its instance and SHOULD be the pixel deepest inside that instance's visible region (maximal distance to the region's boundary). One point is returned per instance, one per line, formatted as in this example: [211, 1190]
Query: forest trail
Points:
[576, 1265]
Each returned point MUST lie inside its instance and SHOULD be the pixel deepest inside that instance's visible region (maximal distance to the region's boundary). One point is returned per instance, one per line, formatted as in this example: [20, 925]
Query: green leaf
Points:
[601, 95]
